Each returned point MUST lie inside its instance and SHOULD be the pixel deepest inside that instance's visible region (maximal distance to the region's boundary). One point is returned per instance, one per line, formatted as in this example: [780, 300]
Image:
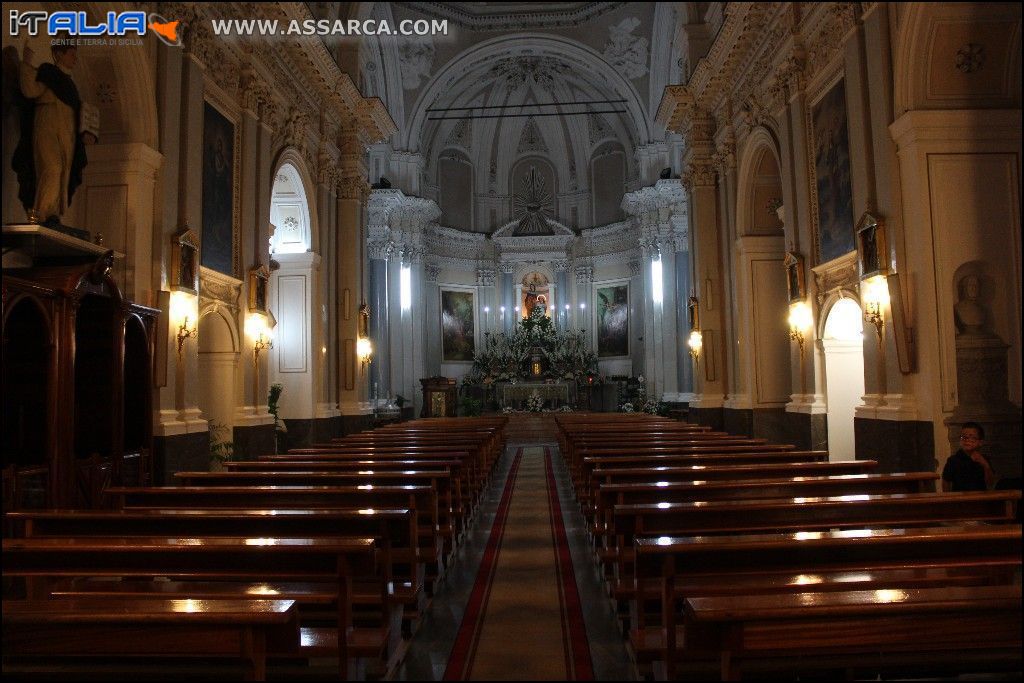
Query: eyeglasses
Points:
[964, 437]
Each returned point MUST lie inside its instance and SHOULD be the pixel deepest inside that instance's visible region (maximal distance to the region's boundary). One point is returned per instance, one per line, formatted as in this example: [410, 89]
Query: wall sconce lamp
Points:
[876, 297]
[696, 343]
[364, 349]
[801, 321]
[183, 309]
[263, 343]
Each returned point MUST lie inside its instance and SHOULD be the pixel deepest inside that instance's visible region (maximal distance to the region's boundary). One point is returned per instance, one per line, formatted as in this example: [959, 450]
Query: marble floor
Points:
[428, 650]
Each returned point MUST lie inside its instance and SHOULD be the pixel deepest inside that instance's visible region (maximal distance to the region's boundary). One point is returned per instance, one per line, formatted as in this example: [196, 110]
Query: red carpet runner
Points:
[524, 619]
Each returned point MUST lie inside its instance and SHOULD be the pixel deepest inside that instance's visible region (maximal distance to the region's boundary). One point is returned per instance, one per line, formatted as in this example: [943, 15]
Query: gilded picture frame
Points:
[259, 285]
[184, 275]
[872, 247]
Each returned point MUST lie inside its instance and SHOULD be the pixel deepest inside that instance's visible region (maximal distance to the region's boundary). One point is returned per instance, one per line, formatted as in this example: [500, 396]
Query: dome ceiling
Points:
[562, 83]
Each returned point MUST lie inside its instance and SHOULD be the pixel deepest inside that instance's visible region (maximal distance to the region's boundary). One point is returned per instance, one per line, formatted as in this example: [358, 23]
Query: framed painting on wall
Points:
[612, 313]
[259, 279]
[794, 264]
[872, 249]
[832, 174]
[457, 326]
[218, 191]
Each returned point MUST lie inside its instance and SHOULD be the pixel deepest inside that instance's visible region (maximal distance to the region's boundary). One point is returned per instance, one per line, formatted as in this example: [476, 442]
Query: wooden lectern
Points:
[439, 397]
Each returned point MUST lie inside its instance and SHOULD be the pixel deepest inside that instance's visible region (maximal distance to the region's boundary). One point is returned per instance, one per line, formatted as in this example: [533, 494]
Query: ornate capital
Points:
[351, 186]
[584, 274]
[634, 268]
[560, 266]
[700, 173]
[485, 277]
[431, 271]
[379, 249]
[507, 267]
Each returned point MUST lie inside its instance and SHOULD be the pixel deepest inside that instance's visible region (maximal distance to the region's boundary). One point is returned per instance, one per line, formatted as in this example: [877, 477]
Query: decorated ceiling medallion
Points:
[529, 71]
[532, 206]
[970, 58]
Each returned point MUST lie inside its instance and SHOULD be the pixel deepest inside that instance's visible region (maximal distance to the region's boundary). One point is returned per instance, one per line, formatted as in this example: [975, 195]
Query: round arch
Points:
[504, 46]
[840, 341]
[292, 166]
[760, 142]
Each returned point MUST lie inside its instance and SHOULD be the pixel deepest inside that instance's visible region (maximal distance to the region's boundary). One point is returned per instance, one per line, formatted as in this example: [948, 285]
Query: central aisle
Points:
[523, 620]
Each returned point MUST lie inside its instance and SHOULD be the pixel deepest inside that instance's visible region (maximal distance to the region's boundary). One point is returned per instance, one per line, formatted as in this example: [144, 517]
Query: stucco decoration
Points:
[417, 57]
[520, 71]
[531, 140]
[625, 51]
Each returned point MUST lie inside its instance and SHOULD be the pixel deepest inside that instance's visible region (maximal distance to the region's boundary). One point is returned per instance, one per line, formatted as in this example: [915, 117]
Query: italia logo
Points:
[77, 25]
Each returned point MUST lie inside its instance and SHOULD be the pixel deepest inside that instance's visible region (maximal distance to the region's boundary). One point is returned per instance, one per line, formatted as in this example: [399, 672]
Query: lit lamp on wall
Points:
[258, 327]
[800, 322]
[184, 315]
[696, 340]
[875, 294]
[364, 349]
[696, 343]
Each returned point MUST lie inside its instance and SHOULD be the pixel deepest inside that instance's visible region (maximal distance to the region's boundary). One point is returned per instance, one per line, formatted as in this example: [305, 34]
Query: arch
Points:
[916, 51]
[761, 148]
[28, 356]
[214, 337]
[828, 303]
[841, 344]
[292, 165]
[491, 50]
[455, 199]
[607, 182]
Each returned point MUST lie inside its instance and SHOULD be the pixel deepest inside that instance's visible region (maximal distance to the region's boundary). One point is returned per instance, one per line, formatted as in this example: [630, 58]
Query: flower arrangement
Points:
[535, 403]
[505, 357]
[627, 407]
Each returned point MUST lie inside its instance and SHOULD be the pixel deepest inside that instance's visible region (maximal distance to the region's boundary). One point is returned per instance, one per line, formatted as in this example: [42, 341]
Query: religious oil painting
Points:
[613, 321]
[832, 175]
[457, 343]
[218, 191]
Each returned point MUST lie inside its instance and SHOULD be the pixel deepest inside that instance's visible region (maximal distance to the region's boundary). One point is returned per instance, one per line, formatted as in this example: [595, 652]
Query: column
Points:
[432, 309]
[487, 302]
[351, 201]
[561, 316]
[508, 300]
[637, 341]
[418, 338]
[584, 302]
[378, 252]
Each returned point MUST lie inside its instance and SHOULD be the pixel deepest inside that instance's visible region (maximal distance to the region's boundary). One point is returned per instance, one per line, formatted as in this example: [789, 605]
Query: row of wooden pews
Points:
[725, 555]
[329, 552]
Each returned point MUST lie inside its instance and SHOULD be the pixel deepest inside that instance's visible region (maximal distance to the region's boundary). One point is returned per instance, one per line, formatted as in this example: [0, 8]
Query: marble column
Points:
[377, 253]
[561, 316]
[508, 299]
[584, 302]
[637, 294]
[432, 307]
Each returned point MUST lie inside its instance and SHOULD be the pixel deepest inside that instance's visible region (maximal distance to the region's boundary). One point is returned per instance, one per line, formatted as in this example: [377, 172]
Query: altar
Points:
[555, 394]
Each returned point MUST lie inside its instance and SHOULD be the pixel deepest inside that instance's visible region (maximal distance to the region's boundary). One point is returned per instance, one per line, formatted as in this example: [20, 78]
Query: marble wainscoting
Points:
[907, 446]
[254, 441]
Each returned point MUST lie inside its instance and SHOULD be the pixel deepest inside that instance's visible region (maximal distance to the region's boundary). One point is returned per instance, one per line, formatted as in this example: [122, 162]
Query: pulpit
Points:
[439, 397]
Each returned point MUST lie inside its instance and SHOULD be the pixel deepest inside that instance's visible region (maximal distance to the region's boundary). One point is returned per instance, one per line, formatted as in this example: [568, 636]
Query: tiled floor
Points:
[428, 651]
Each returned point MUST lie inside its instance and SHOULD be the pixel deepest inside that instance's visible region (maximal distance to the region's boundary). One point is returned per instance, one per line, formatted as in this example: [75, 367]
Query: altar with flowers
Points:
[535, 366]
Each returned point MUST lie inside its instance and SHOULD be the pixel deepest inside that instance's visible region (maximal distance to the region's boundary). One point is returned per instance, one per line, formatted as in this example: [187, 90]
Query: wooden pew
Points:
[712, 560]
[445, 524]
[794, 514]
[919, 627]
[421, 499]
[473, 469]
[462, 495]
[245, 630]
[395, 531]
[333, 561]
